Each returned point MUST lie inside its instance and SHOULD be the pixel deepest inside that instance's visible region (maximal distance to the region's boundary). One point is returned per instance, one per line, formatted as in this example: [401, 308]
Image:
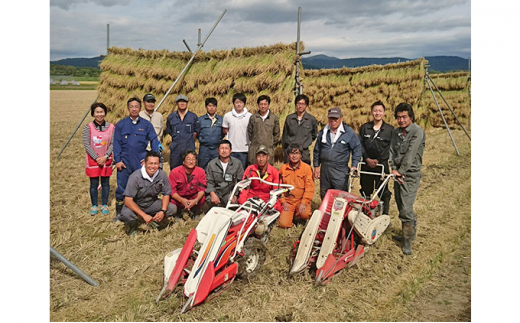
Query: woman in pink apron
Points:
[97, 140]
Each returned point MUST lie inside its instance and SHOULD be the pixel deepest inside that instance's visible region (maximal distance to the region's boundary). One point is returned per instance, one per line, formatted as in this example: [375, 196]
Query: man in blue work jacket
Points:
[335, 142]
[210, 133]
[183, 126]
[131, 137]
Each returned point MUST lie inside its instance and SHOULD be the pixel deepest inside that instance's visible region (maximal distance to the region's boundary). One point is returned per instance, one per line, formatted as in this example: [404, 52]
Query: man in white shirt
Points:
[234, 126]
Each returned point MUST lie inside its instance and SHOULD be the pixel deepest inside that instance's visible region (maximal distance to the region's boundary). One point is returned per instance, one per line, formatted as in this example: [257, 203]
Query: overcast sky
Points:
[340, 28]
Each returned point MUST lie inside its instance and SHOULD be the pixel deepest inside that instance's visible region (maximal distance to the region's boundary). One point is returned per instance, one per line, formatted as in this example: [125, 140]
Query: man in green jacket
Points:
[263, 130]
[406, 150]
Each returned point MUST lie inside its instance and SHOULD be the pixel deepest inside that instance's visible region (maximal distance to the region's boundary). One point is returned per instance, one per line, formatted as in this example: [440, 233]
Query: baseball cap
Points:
[262, 149]
[335, 113]
[181, 97]
[149, 97]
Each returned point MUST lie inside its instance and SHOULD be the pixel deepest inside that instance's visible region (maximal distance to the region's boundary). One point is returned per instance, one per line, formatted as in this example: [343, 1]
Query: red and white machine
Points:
[225, 244]
[340, 231]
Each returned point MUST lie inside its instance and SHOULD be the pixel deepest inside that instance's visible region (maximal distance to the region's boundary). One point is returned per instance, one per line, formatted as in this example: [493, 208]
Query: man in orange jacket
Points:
[298, 174]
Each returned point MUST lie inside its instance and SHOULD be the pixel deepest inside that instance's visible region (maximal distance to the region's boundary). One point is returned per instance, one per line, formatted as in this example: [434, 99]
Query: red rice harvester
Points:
[225, 244]
[340, 231]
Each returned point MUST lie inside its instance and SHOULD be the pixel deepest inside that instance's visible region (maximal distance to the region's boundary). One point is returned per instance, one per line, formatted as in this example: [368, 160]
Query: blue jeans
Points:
[105, 189]
[242, 156]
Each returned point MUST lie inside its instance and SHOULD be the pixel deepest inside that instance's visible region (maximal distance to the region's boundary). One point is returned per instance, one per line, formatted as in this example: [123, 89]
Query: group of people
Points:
[240, 145]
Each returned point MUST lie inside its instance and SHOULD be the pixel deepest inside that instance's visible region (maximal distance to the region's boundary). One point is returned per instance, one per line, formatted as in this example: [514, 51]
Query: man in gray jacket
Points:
[406, 150]
[222, 174]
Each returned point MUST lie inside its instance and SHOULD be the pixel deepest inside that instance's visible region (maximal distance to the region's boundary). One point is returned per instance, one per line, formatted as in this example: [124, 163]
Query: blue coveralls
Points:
[130, 142]
[333, 159]
[209, 137]
[182, 135]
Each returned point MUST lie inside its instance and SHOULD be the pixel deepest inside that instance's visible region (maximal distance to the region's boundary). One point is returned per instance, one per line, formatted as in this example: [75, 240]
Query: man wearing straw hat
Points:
[335, 143]
[406, 150]
[183, 126]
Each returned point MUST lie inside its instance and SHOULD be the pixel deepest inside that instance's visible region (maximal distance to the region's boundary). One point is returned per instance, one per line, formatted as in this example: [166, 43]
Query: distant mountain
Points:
[438, 63]
[79, 62]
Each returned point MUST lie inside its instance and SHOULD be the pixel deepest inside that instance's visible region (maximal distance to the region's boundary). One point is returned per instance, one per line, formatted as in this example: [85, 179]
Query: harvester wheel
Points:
[254, 257]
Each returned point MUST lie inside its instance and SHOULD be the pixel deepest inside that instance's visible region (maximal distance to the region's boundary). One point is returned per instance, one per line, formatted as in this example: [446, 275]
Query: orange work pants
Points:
[286, 217]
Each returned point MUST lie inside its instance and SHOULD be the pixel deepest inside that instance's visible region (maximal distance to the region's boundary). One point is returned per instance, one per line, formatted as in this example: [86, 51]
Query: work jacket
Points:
[222, 183]
[262, 132]
[406, 150]
[184, 187]
[210, 133]
[303, 181]
[131, 140]
[258, 188]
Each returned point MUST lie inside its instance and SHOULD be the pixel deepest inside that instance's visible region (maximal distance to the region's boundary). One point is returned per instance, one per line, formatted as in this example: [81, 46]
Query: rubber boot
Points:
[408, 232]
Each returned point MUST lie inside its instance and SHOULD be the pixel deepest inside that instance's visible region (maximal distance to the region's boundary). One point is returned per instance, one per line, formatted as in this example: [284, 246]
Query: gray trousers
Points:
[128, 216]
[405, 195]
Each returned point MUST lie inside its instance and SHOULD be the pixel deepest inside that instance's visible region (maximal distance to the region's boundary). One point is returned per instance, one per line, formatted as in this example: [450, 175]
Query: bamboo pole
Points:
[453, 112]
[190, 61]
[442, 115]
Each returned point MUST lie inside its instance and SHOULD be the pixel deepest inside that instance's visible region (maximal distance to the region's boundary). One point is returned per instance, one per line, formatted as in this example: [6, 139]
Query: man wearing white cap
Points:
[183, 126]
[154, 117]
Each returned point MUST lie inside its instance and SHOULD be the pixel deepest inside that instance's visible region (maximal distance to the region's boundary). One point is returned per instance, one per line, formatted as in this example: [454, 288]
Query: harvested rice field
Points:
[433, 284]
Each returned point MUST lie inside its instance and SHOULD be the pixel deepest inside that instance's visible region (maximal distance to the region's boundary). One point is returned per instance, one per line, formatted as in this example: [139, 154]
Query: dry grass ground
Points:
[434, 284]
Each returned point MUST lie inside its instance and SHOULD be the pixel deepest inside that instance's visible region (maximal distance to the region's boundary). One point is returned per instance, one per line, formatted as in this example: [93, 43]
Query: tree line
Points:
[63, 70]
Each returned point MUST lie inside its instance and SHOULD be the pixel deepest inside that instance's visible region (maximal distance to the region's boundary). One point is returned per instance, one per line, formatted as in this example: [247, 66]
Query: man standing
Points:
[234, 126]
[183, 126]
[265, 171]
[375, 145]
[298, 174]
[188, 183]
[131, 137]
[222, 174]
[210, 133]
[263, 129]
[141, 196]
[406, 150]
[300, 127]
[154, 117]
[336, 142]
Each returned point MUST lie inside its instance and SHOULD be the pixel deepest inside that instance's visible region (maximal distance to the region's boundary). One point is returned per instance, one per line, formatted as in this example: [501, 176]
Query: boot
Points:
[414, 235]
[119, 207]
[408, 232]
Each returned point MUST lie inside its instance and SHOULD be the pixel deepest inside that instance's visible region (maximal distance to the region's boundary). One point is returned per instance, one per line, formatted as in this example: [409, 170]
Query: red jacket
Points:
[181, 186]
[258, 188]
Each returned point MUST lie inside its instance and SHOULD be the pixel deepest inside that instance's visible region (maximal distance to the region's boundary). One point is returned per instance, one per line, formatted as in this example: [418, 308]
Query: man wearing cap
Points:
[265, 171]
[335, 143]
[154, 117]
[263, 129]
[183, 126]
[131, 137]
[210, 133]
[300, 127]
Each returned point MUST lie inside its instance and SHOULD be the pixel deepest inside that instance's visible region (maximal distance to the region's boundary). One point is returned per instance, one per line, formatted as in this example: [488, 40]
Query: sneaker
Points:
[94, 210]
[104, 209]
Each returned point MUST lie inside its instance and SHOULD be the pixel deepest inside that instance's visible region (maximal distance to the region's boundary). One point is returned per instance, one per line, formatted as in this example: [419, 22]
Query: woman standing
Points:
[98, 140]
